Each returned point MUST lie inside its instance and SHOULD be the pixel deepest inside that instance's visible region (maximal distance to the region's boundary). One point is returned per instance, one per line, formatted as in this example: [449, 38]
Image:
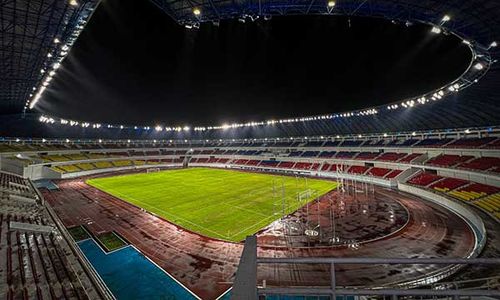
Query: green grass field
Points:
[223, 204]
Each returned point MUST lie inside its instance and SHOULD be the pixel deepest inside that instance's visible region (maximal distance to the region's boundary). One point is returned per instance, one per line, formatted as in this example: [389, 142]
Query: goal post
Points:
[152, 170]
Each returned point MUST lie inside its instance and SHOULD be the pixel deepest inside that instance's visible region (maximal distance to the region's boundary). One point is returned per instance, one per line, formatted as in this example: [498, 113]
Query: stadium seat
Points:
[367, 155]
[482, 163]
[409, 158]
[448, 184]
[391, 156]
[378, 172]
[357, 169]
[447, 160]
[424, 179]
[286, 164]
[393, 174]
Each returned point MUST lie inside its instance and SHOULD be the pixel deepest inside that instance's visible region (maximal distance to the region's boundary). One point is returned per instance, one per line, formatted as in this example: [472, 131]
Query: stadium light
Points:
[493, 44]
[331, 3]
[73, 2]
[446, 18]
[478, 66]
[196, 11]
[436, 30]
[56, 41]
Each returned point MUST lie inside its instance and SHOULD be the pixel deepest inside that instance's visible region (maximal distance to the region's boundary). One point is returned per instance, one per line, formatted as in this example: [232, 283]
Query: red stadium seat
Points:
[424, 179]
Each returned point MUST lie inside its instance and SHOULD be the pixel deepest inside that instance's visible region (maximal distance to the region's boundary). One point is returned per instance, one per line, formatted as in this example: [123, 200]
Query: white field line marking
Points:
[245, 229]
[248, 196]
[172, 215]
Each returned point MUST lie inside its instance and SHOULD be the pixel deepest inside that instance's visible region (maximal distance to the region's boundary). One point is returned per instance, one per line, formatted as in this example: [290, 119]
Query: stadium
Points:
[173, 149]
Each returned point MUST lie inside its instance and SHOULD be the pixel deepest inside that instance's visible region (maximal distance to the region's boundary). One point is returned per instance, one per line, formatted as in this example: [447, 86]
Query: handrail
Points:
[246, 276]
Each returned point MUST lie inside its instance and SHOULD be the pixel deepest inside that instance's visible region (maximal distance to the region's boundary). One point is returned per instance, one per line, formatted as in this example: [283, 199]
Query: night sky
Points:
[134, 65]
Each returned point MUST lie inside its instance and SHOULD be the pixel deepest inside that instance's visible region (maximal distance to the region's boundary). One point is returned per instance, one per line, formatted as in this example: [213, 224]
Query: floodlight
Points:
[56, 41]
[196, 11]
[446, 18]
[331, 3]
[436, 30]
[478, 66]
[493, 44]
[73, 2]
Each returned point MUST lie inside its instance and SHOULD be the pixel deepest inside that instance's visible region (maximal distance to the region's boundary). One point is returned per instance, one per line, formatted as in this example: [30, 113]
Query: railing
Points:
[246, 287]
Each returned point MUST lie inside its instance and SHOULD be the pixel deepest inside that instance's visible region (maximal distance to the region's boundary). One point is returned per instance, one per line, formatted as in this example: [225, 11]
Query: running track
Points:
[207, 266]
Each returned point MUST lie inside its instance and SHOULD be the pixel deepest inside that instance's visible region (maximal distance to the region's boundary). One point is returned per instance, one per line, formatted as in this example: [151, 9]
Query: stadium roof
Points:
[35, 36]
[473, 20]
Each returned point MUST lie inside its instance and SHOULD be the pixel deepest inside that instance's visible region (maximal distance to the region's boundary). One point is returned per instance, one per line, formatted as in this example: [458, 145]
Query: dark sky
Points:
[134, 65]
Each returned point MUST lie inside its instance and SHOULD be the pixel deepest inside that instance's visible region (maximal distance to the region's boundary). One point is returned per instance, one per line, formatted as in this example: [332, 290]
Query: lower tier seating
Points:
[448, 184]
[474, 191]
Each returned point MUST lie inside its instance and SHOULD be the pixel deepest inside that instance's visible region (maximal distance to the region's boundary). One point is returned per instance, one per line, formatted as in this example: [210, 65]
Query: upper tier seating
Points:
[393, 174]
[76, 156]
[331, 144]
[482, 163]
[378, 172]
[314, 144]
[367, 155]
[410, 157]
[122, 163]
[424, 179]
[470, 142]
[54, 158]
[327, 154]
[102, 164]
[447, 160]
[432, 142]
[348, 143]
[295, 153]
[390, 156]
[85, 166]
[493, 145]
[371, 143]
[345, 154]
[310, 153]
[97, 155]
[357, 169]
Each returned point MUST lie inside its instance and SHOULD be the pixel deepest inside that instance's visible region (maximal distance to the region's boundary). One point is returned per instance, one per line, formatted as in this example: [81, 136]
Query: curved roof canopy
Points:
[35, 36]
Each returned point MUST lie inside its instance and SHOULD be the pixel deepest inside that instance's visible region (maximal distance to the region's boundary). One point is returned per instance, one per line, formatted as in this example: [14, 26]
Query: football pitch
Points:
[223, 204]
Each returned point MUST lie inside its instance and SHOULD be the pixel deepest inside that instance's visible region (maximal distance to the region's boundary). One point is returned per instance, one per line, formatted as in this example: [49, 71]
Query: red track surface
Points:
[207, 266]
